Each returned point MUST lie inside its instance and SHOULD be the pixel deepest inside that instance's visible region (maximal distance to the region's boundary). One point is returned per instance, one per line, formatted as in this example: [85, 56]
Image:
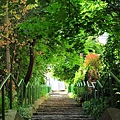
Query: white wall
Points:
[54, 83]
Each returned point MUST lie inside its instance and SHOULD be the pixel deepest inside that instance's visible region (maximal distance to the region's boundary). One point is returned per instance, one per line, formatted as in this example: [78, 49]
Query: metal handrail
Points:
[3, 82]
[9, 77]
[20, 82]
[3, 102]
[99, 88]
[27, 84]
[117, 80]
[92, 84]
[17, 85]
[103, 86]
[28, 94]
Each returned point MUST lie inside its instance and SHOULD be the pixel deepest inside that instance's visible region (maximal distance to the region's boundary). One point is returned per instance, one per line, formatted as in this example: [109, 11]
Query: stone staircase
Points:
[59, 107]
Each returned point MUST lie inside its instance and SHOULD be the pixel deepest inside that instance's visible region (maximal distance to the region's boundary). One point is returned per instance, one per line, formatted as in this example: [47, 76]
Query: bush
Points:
[94, 107]
[7, 103]
[79, 91]
[25, 112]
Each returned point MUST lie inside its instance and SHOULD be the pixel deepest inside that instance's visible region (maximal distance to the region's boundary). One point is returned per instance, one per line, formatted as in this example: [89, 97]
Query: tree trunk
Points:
[6, 23]
[30, 67]
[29, 71]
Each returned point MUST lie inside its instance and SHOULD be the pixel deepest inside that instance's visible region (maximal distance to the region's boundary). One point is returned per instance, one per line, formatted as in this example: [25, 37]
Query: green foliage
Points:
[57, 32]
[111, 62]
[92, 44]
[111, 54]
[6, 103]
[15, 103]
[2, 62]
[80, 75]
[62, 30]
[80, 91]
[94, 107]
[25, 112]
[65, 73]
[30, 2]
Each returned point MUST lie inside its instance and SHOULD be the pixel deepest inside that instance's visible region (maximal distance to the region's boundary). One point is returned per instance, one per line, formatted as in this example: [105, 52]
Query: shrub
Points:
[7, 103]
[94, 107]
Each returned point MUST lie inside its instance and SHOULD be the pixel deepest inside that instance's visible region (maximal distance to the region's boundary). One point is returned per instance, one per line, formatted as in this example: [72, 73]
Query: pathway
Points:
[59, 107]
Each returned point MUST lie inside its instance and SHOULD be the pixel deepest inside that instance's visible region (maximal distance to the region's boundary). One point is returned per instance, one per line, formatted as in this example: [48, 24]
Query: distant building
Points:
[55, 84]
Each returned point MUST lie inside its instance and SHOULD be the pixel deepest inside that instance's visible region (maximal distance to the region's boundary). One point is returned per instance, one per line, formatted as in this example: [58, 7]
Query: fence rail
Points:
[98, 88]
[32, 93]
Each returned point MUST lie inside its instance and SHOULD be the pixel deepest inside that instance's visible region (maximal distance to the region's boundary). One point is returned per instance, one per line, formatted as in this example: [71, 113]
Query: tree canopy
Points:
[44, 33]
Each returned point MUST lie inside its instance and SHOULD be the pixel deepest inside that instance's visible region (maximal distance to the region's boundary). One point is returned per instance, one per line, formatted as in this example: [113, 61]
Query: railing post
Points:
[33, 94]
[86, 91]
[39, 92]
[10, 92]
[22, 92]
[98, 91]
[111, 90]
[47, 88]
[72, 88]
[102, 97]
[30, 94]
[44, 89]
[3, 104]
[26, 96]
[95, 93]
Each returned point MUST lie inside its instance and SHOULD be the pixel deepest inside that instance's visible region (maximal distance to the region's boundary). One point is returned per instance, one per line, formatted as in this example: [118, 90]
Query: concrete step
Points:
[56, 113]
[59, 110]
[61, 117]
[59, 107]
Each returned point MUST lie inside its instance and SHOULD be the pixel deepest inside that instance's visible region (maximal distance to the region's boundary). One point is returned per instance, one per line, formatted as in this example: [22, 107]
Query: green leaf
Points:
[30, 2]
